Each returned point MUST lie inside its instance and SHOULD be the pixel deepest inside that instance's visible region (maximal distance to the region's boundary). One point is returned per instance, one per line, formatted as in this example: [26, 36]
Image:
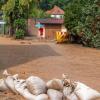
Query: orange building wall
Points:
[50, 30]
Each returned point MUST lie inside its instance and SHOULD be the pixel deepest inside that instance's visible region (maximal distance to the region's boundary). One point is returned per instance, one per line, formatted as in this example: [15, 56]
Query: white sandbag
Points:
[20, 86]
[69, 88]
[36, 85]
[78, 90]
[9, 81]
[5, 73]
[42, 97]
[15, 77]
[85, 92]
[3, 86]
[69, 94]
[55, 84]
[72, 96]
[54, 94]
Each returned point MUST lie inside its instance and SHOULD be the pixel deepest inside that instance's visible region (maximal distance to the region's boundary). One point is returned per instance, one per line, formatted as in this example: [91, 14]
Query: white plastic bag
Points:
[55, 84]
[36, 85]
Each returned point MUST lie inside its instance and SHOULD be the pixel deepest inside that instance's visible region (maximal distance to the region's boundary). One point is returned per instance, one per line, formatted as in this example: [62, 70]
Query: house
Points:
[49, 25]
[56, 12]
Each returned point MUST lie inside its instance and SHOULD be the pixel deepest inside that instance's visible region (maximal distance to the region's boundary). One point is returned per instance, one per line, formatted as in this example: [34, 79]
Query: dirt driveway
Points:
[49, 60]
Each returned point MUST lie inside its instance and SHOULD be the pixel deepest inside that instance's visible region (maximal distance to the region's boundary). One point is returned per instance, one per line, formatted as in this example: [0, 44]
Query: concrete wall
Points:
[32, 30]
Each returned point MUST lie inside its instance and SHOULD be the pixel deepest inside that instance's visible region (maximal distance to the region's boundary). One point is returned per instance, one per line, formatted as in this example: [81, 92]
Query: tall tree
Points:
[12, 9]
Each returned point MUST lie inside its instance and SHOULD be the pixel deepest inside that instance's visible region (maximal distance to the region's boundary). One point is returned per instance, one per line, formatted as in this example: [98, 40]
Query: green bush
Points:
[19, 34]
[20, 28]
[20, 23]
[96, 41]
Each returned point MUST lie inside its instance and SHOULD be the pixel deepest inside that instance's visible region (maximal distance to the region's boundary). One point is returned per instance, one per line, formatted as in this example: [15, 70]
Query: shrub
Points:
[96, 41]
[19, 34]
[20, 23]
[20, 28]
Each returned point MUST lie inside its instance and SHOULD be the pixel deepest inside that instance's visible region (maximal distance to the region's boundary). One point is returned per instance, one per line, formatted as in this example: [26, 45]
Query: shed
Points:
[51, 26]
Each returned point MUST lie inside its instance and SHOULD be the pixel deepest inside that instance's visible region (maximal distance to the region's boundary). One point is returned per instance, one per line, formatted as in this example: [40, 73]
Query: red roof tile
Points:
[50, 21]
[55, 11]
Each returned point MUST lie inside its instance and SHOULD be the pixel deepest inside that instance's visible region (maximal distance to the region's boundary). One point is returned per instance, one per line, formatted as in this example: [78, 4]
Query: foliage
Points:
[8, 7]
[20, 26]
[14, 9]
[19, 34]
[38, 13]
[60, 3]
[83, 16]
[20, 23]
[48, 4]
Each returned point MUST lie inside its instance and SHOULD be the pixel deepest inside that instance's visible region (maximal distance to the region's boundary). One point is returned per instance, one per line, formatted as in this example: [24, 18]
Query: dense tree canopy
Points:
[48, 4]
[82, 18]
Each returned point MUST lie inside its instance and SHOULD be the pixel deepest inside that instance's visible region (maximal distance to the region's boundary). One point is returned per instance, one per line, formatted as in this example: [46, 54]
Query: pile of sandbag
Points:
[35, 88]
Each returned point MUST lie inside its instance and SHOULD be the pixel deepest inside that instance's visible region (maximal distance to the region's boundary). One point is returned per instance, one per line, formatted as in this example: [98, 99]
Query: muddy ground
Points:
[49, 60]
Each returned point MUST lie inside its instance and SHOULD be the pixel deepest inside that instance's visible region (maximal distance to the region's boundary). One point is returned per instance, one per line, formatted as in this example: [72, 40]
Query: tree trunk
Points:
[11, 22]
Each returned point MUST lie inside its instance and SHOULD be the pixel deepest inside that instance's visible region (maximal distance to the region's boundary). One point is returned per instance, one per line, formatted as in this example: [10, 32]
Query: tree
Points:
[13, 9]
[82, 20]
[48, 4]
[38, 13]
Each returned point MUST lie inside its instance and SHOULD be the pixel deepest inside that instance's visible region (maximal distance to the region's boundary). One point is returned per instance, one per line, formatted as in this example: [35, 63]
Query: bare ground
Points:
[49, 60]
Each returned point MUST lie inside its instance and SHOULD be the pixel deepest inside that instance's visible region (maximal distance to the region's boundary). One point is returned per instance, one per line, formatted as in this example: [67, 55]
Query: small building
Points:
[50, 25]
[56, 12]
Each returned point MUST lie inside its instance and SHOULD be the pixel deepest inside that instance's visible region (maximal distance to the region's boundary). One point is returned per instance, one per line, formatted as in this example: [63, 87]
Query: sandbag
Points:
[85, 92]
[55, 84]
[42, 97]
[69, 95]
[5, 73]
[36, 85]
[20, 86]
[3, 86]
[54, 94]
[16, 77]
[9, 81]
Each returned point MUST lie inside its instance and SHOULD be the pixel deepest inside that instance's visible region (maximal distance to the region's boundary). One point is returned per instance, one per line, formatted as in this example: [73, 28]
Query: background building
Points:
[51, 25]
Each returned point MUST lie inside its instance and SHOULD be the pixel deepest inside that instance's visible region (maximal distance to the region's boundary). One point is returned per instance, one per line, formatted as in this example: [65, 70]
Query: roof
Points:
[50, 21]
[55, 11]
